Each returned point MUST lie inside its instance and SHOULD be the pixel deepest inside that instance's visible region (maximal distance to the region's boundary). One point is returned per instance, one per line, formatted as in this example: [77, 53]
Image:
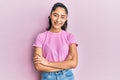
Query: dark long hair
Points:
[64, 27]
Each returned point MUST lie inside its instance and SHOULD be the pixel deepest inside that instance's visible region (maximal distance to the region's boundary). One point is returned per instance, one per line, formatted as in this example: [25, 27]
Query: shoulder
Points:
[71, 38]
[68, 34]
[42, 35]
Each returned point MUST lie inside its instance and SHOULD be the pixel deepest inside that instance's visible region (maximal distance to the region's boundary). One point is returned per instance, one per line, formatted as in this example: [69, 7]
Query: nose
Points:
[58, 19]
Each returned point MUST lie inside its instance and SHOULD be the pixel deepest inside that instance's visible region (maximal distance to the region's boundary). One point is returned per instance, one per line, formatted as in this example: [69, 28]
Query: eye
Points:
[62, 17]
[55, 15]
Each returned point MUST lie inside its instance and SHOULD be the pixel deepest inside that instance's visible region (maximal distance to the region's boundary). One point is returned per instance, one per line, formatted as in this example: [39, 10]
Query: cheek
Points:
[64, 21]
[53, 19]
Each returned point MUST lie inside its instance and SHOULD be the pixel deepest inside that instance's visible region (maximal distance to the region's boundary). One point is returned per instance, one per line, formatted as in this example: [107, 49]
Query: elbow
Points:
[74, 65]
[37, 67]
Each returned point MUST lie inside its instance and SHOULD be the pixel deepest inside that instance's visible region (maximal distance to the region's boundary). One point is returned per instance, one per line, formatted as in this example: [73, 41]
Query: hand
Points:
[41, 60]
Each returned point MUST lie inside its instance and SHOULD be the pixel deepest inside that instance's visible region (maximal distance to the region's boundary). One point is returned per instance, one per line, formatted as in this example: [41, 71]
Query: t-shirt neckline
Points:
[55, 33]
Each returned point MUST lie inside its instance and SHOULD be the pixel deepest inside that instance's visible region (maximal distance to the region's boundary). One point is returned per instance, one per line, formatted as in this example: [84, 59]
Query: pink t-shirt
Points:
[54, 46]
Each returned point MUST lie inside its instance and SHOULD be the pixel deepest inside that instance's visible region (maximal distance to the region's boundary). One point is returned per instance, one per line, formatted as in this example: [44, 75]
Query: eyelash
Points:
[57, 16]
[62, 17]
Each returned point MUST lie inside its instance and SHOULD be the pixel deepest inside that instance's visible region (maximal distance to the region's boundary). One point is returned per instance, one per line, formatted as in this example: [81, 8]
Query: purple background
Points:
[96, 24]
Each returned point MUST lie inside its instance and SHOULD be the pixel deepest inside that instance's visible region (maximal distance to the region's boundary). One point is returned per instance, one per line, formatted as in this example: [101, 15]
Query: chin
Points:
[57, 27]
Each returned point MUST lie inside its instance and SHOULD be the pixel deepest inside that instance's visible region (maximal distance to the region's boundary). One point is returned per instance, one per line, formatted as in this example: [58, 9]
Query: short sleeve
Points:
[38, 41]
[72, 39]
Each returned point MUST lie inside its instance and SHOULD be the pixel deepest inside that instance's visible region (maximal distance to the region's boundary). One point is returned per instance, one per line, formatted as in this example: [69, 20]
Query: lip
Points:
[57, 24]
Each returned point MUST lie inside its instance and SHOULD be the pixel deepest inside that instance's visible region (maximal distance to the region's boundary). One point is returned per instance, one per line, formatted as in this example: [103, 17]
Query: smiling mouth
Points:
[57, 24]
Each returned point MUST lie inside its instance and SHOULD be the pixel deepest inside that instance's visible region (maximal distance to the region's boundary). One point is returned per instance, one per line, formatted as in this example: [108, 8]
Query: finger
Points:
[37, 62]
[37, 59]
[38, 55]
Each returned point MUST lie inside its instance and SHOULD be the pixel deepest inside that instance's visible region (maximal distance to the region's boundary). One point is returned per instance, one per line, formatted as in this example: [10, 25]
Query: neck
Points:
[55, 30]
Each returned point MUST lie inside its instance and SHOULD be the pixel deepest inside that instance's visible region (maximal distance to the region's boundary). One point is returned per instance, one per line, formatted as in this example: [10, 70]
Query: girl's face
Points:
[58, 18]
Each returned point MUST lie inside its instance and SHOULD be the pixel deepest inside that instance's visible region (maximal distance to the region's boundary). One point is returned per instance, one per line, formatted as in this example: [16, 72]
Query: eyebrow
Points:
[63, 15]
[57, 14]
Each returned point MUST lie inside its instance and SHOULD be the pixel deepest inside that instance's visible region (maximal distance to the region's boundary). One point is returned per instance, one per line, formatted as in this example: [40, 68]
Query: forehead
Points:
[60, 10]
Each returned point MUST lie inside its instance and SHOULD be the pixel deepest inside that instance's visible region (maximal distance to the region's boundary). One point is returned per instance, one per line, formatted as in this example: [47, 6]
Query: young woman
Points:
[55, 50]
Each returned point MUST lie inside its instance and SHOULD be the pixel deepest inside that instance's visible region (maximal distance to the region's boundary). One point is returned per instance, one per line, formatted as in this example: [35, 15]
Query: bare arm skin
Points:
[39, 66]
[70, 62]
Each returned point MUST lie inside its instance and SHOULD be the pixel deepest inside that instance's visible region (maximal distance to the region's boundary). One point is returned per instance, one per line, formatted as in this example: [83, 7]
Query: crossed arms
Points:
[41, 64]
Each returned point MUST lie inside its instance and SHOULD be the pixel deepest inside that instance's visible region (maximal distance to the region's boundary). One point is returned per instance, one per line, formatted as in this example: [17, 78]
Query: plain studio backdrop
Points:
[95, 23]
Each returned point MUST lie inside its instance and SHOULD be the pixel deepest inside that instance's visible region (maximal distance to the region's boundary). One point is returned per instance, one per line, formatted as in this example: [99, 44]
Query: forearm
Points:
[63, 65]
[40, 67]
[38, 58]
[69, 63]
